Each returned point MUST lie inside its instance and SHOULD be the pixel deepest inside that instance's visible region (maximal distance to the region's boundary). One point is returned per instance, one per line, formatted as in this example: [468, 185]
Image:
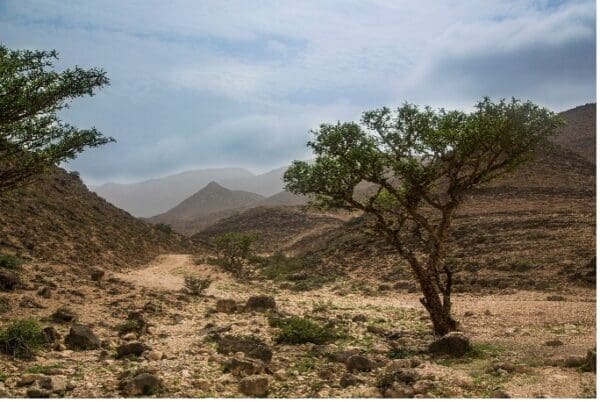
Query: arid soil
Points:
[510, 333]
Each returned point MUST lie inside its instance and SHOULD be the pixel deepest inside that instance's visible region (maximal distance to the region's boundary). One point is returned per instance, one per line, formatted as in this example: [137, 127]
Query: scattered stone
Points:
[82, 337]
[377, 330]
[255, 385]
[203, 385]
[590, 361]
[350, 380]
[423, 386]
[228, 306]
[500, 394]
[555, 298]
[97, 274]
[469, 314]
[250, 345]
[487, 312]
[56, 383]
[143, 384]
[554, 343]
[9, 280]
[132, 348]
[342, 356]
[360, 318]
[44, 292]
[399, 391]
[63, 314]
[359, 363]
[574, 361]
[28, 379]
[155, 355]
[280, 375]
[38, 393]
[51, 335]
[130, 336]
[454, 344]
[30, 302]
[260, 303]
[242, 367]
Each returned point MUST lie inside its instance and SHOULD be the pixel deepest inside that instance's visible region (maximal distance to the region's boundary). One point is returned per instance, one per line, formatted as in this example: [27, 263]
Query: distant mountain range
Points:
[156, 196]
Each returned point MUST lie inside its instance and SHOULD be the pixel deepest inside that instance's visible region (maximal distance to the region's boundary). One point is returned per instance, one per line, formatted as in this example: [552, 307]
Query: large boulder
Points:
[255, 385]
[260, 303]
[359, 363]
[132, 348]
[455, 344]
[228, 306]
[81, 337]
[143, 384]
[64, 314]
[9, 280]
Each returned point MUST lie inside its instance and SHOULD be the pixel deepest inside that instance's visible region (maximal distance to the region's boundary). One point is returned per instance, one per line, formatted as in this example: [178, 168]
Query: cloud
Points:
[198, 84]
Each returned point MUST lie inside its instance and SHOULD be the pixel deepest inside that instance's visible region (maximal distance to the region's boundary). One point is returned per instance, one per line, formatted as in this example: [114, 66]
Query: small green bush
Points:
[21, 338]
[4, 305]
[196, 286]
[10, 262]
[128, 326]
[298, 330]
[163, 227]
[234, 248]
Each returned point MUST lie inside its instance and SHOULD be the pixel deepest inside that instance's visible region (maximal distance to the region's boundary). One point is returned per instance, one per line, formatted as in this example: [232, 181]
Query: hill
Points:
[284, 198]
[579, 135]
[156, 196]
[533, 228]
[58, 219]
[278, 227]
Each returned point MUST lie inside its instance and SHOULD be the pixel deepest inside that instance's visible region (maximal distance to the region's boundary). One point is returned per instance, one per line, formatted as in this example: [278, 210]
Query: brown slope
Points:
[533, 228]
[279, 227]
[57, 219]
[579, 135]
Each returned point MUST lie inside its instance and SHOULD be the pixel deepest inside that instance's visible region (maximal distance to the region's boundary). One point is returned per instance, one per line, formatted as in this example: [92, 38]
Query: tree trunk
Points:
[440, 317]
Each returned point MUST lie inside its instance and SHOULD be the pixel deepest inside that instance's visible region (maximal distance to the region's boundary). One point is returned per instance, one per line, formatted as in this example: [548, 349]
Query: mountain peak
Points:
[213, 185]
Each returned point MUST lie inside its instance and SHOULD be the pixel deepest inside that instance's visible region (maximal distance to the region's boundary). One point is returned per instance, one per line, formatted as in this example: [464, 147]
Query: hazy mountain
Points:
[266, 184]
[155, 196]
[283, 198]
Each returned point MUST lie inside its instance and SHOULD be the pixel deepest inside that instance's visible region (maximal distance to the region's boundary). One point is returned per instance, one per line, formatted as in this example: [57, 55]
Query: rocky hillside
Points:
[57, 219]
[279, 227]
[579, 135]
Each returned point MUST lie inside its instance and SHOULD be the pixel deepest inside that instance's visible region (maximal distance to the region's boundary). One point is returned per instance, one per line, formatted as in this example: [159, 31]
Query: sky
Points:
[198, 84]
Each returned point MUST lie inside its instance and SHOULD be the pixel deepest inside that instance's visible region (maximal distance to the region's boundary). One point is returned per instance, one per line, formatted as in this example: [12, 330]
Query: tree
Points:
[233, 248]
[32, 137]
[419, 164]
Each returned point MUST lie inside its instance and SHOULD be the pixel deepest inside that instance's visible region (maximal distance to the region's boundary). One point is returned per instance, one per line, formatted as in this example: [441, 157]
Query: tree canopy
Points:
[32, 136]
[414, 166]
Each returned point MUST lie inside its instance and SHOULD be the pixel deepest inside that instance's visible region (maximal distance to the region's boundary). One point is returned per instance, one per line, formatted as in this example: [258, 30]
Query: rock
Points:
[28, 379]
[56, 383]
[487, 312]
[44, 292]
[138, 317]
[51, 335]
[374, 329]
[359, 318]
[9, 280]
[97, 274]
[500, 394]
[130, 336]
[423, 386]
[81, 337]
[469, 314]
[63, 314]
[251, 346]
[260, 303]
[349, 380]
[574, 361]
[228, 306]
[38, 393]
[555, 298]
[399, 391]
[359, 363]
[132, 348]
[553, 342]
[143, 384]
[30, 302]
[590, 361]
[203, 385]
[454, 344]
[342, 356]
[242, 367]
[155, 355]
[280, 375]
[255, 385]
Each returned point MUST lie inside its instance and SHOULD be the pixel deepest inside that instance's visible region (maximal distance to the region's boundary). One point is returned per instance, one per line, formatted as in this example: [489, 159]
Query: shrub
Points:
[21, 338]
[163, 227]
[4, 305]
[10, 262]
[128, 326]
[234, 248]
[196, 286]
[298, 330]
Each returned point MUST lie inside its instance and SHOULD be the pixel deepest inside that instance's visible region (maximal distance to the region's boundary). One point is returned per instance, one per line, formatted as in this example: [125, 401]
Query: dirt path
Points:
[167, 272]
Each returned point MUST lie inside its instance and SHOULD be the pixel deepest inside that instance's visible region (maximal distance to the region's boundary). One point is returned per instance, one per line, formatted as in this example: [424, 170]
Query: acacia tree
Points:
[418, 165]
[32, 137]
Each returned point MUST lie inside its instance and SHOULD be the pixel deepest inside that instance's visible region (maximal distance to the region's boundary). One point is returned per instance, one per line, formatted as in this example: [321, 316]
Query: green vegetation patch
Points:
[10, 262]
[21, 338]
[298, 330]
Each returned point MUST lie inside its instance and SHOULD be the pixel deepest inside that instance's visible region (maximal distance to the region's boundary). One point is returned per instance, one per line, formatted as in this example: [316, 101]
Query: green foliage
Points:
[21, 338]
[234, 248]
[128, 326]
[4, 305]
[196, 286]
[40, 369]
[10, 262]
[297, 330]
[33, 139]
[163, 227]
